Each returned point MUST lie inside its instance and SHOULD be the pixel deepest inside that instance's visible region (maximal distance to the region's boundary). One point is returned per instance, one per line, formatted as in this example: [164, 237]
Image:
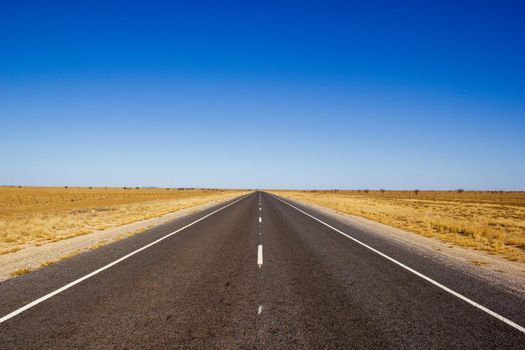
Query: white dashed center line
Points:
[260, 248]
[259, 255]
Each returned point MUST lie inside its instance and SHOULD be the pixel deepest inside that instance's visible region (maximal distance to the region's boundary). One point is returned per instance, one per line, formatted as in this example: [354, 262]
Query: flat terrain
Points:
[32, 216]
[493, 222]
[33, 257]
[257, 273]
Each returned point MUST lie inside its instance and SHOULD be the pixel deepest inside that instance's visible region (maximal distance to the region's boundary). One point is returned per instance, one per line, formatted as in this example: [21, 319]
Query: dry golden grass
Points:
[39, 215]
[21, 272]
[489, 221]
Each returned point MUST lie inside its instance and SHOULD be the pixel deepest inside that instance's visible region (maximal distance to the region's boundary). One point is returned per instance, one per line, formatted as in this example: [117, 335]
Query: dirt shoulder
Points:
[494, 269]
[34, 257]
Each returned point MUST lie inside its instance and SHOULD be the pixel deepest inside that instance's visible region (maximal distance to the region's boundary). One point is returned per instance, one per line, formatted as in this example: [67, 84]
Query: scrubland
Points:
[39, 215]
[492, 221]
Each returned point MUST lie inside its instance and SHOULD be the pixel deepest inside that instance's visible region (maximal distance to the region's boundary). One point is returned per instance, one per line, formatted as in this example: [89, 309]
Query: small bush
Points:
[21, 272]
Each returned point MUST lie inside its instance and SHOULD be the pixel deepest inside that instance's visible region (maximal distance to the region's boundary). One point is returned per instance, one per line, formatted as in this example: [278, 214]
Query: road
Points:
[256, 272]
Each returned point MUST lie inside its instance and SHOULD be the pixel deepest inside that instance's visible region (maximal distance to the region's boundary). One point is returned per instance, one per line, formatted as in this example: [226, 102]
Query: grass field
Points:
[490, 221]
[39, 215]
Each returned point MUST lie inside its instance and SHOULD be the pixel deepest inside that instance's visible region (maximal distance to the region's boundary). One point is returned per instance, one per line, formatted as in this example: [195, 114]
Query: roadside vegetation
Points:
[39, 215]
[492, 221]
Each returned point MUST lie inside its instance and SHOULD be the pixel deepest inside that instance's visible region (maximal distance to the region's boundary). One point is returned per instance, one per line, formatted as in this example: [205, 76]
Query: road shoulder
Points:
[35, 257]
[492, 269]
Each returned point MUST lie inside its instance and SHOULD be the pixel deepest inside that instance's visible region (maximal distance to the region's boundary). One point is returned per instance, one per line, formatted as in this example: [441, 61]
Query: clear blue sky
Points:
[421, 94]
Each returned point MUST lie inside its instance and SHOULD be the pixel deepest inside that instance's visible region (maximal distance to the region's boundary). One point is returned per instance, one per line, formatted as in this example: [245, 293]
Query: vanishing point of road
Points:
[257, 272]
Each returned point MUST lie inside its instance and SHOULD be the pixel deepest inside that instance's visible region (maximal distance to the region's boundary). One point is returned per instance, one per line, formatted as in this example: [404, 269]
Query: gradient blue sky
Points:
[371, 94]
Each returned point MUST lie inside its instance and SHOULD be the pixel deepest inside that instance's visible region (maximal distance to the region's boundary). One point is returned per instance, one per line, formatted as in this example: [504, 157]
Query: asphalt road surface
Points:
[256, 272]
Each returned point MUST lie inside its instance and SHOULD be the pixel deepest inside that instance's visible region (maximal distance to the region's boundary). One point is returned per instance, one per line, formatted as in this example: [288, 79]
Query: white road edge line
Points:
[77, 281]
[419, 274]
[259, 256]
[260, 219]
[259, 309]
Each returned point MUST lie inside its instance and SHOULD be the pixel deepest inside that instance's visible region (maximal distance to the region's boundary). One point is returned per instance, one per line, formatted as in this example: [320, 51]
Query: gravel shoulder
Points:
[34, 257]
[495, 270]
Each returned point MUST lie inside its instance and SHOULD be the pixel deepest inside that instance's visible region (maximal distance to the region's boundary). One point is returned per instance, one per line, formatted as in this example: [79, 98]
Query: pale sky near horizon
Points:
[426, 95]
